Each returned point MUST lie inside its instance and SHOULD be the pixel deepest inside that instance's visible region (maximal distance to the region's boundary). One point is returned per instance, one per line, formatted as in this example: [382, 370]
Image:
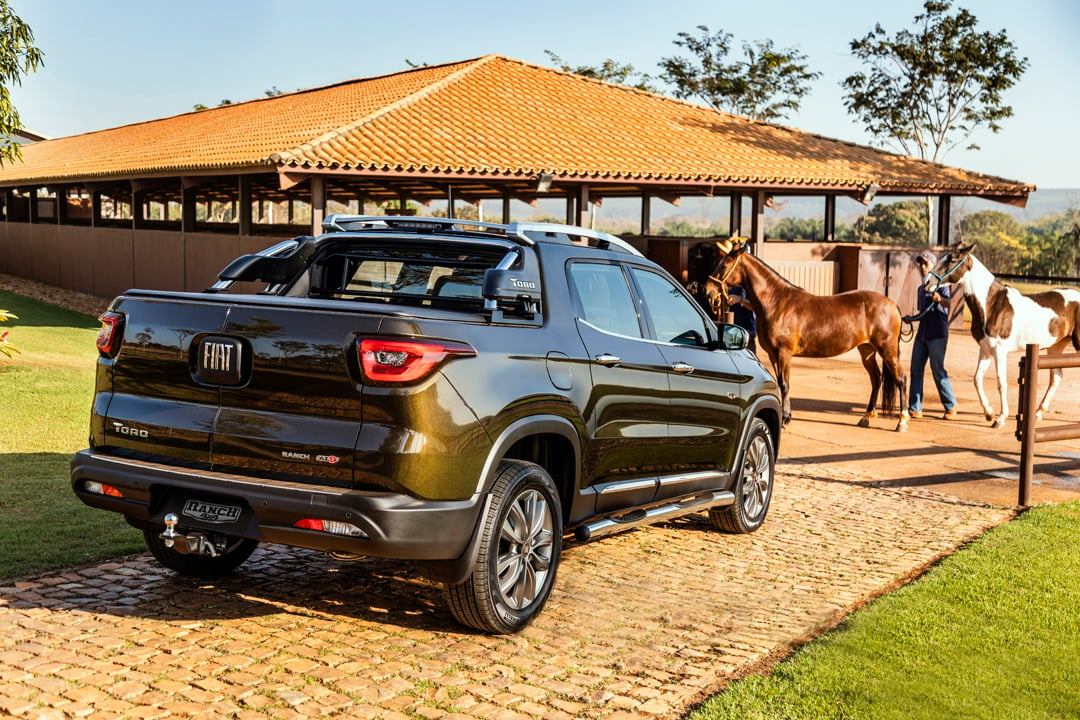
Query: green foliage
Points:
[927, 90]
[989, 633]
[45, 404]
[18, 57]
[899, 223]
[608, 71]
[681, 228]
[767, 85]
[790, 228]
[1052, 246]
[1000, 238]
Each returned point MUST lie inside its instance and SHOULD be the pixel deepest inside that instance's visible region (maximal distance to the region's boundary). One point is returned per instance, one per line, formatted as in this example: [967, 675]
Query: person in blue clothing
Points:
[930, 343]
[743, 314]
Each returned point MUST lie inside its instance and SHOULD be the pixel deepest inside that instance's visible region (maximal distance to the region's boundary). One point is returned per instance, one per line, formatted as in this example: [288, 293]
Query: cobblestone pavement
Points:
[643, 624]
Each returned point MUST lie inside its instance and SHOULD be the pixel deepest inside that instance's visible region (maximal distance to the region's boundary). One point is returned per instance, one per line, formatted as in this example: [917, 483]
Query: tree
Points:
[898, 223]
[767, 85]
[18, 57]
[609, 71]
[928, 90]
[999, 236]
[1052, 245]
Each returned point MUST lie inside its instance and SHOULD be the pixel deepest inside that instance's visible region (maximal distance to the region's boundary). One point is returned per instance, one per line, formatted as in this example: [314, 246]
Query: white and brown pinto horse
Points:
[792, 322]
[1004, 320]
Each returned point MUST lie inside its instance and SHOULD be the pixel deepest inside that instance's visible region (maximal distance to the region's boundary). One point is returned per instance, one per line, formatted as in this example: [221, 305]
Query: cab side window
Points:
[605, 298]
[674, 317]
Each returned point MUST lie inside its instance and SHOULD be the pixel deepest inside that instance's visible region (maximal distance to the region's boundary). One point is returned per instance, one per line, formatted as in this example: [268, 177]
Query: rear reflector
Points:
[334, 527]
[101, 489]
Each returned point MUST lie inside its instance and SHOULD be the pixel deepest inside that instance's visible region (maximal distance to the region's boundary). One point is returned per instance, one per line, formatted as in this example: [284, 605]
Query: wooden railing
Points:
[1026, 432]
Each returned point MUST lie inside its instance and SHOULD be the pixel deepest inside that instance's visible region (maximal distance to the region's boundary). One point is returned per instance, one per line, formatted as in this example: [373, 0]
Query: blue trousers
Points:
[934, 351]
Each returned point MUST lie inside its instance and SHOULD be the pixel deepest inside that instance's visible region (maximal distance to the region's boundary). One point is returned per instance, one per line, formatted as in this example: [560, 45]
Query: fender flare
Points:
[454, 572]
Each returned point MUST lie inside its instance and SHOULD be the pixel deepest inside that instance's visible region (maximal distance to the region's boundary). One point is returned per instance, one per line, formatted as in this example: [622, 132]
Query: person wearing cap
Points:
[930, 342]
[742, 314]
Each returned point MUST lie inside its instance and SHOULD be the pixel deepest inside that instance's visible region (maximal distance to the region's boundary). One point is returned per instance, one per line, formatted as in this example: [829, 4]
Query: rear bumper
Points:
[394, 525]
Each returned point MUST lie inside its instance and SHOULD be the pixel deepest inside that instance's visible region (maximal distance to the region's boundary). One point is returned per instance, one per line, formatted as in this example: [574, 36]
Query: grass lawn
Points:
[992, 632]
[45, 394]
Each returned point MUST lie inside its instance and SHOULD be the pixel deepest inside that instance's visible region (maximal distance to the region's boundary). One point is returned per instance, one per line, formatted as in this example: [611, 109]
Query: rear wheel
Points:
[753, 491]
[518, 556]
[235, 552]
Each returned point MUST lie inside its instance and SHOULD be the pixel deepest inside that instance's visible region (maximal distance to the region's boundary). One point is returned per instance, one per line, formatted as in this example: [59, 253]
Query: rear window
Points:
[449, 277]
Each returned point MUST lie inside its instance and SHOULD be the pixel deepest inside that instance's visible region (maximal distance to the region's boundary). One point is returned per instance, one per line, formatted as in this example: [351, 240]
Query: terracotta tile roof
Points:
[490, 117]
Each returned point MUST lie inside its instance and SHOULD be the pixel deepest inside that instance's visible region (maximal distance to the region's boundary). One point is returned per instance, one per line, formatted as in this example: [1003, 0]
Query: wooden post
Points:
[1025, 421]
[830, 218]
[244, 216]
[318, 203]
[943, 218]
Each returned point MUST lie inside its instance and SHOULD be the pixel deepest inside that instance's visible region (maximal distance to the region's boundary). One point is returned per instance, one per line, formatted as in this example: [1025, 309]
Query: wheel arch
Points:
[551, 441]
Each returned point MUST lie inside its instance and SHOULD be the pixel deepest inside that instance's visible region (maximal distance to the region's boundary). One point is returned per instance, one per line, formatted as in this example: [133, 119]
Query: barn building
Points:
[167, 203]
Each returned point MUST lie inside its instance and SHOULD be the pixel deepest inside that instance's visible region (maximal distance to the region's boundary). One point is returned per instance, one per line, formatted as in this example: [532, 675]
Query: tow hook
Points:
[191, 544]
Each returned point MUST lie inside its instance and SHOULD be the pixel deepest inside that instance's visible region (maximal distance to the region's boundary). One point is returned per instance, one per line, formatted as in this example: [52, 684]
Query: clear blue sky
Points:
[114, 62]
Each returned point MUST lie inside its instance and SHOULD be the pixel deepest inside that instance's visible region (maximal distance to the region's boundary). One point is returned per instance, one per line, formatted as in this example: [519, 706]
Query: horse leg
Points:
[980, 373]
[868, 355]
[890, 366]
[781, 362]
[1001, 363]
[1055, 379]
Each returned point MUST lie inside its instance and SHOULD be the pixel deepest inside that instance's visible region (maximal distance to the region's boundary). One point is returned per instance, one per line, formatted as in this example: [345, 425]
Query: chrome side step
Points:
[669, 511]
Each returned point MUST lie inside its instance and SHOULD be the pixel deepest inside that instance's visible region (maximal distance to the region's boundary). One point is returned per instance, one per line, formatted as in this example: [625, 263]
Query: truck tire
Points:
[518, 553]
[201, 566]
[753, 490]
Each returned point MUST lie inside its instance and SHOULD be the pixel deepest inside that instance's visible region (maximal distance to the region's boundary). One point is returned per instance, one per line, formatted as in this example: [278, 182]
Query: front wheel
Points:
[519, 553]
[235, 552]
[753, 491]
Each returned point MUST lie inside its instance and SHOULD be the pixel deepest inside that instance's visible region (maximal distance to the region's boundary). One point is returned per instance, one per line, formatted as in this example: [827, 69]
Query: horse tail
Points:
[890, 384]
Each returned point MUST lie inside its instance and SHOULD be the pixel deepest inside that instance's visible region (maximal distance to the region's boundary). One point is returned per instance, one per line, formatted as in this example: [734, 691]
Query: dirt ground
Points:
[963, 457]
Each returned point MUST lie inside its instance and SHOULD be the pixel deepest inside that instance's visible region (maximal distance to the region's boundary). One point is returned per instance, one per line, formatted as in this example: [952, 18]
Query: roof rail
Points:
[517, 231]
[345, 223]
[603, 240]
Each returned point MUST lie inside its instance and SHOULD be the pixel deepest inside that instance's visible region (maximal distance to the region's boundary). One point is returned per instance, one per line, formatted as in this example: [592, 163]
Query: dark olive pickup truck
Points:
[455, 393]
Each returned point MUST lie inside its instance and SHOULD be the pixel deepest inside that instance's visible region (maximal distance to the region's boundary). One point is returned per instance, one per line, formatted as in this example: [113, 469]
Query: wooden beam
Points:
[943, 219]
[318, 203]
[757, 222]
[830, 218]
[735, 215]
[244, 194]
[583, 206]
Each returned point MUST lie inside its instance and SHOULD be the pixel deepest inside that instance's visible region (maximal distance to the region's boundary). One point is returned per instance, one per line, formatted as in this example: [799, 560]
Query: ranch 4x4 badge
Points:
[209, 512]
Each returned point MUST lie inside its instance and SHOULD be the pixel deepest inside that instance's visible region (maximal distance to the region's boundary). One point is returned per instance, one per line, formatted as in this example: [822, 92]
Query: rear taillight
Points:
[405, 361]
[111, 334]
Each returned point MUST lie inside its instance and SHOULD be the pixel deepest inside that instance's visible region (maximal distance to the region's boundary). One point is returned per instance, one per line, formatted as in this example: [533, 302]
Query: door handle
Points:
[681, 367]
[609, 360]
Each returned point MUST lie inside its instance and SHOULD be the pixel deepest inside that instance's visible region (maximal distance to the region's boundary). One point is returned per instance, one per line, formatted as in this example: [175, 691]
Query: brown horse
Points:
[792, 322]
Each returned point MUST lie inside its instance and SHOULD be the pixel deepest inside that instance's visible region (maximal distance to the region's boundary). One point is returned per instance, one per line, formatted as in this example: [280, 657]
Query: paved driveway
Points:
[643, 624]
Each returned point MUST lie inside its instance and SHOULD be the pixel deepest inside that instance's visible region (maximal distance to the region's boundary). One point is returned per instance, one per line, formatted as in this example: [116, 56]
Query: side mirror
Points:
[733, 337]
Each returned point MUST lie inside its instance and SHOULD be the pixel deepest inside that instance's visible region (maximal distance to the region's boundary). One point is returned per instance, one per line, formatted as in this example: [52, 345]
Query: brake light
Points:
[403, 361]
[111, 334]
